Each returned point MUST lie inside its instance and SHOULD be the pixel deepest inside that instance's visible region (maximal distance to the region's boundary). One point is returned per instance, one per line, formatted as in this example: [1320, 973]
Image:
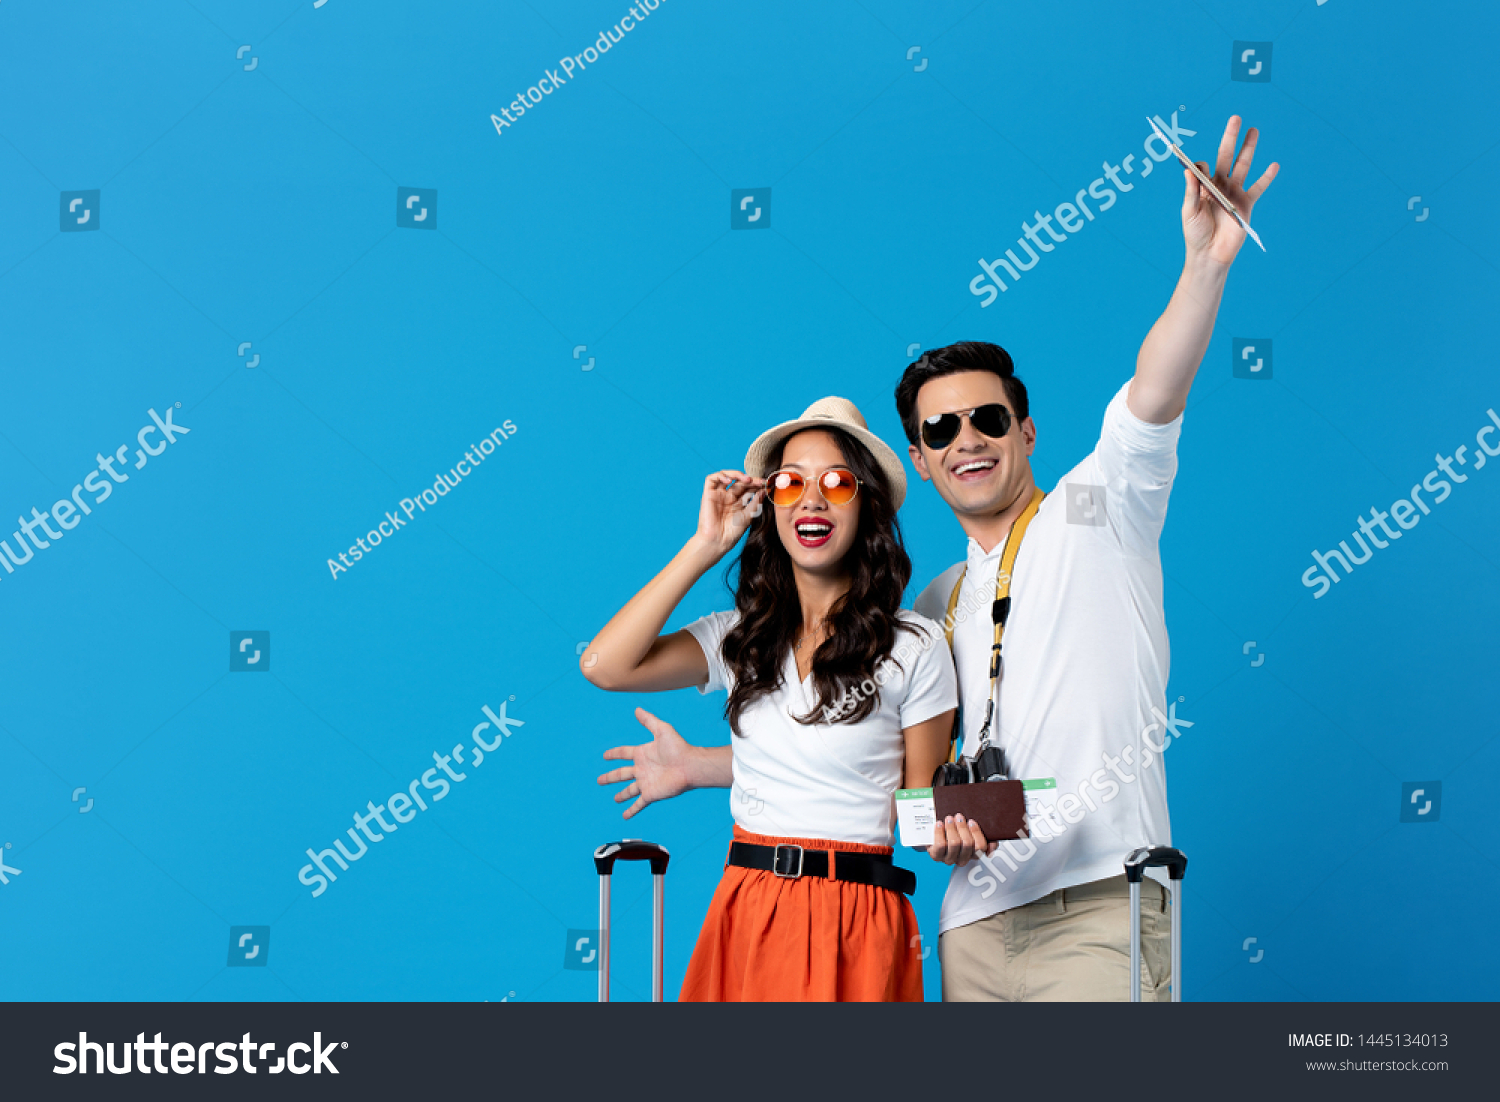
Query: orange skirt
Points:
[776, 939]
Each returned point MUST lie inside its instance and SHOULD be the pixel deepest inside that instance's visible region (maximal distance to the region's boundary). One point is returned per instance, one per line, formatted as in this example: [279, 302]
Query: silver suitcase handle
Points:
[632, 849]
[1136, 864]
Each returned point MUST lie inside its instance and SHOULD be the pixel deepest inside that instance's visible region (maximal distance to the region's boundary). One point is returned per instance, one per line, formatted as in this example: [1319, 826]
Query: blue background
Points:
[257, 206]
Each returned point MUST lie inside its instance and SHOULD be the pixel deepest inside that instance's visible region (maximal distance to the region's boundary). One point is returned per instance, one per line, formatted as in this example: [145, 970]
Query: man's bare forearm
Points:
[1173, 350]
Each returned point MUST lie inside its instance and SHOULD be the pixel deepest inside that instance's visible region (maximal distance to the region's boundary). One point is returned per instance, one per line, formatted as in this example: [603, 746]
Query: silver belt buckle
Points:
[777, 864]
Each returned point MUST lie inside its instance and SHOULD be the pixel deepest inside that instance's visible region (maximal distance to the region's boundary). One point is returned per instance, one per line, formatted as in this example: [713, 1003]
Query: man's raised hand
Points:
[1208, 228]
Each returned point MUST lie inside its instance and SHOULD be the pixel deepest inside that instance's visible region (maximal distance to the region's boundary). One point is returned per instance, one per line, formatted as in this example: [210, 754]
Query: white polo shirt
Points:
[829, 780]
[1082, 695]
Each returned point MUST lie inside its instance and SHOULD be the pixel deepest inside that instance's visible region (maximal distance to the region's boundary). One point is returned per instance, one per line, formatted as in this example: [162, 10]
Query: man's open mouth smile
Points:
[974, 469]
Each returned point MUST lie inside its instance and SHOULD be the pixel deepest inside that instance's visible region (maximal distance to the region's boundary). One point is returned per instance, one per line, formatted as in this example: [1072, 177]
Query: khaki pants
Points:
[1070, 946]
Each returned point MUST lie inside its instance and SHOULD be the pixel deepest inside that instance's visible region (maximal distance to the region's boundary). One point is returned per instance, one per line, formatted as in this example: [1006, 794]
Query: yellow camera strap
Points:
[999, 610]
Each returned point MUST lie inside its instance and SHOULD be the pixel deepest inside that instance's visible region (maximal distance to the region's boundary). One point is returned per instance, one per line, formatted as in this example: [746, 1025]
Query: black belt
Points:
[791, 862]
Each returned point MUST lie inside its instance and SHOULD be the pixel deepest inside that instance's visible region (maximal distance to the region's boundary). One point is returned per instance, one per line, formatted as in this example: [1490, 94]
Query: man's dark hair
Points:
[963, 356]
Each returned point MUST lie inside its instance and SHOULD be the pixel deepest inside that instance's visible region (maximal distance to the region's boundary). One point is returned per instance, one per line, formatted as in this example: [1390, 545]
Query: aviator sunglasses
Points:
[837, 485]
[942, 429]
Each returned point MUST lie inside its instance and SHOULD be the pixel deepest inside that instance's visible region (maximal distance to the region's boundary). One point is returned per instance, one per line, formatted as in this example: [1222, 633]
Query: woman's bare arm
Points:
[630, 654]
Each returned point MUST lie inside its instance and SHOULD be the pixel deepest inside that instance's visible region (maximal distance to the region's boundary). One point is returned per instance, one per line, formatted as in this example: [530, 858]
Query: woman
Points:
[837, 697]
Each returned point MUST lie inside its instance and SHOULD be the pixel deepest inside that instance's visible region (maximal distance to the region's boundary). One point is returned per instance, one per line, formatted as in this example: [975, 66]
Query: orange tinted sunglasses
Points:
[837, 485]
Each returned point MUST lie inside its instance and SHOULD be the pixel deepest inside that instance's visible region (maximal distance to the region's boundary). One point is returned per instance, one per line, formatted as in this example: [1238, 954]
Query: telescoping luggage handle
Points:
[632, 849]
[1136, 864]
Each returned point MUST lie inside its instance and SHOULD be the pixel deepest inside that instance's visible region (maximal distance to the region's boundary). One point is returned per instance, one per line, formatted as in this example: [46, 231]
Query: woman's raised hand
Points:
[731, 500]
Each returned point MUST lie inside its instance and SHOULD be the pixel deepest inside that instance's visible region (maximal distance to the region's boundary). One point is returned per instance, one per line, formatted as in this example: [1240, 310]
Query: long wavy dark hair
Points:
[863, 621]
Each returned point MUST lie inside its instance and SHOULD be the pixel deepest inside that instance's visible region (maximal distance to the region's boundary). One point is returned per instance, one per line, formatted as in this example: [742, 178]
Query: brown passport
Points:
[999, 807]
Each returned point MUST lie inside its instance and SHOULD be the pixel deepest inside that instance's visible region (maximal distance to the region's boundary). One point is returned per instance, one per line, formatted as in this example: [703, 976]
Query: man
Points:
[1079, 705]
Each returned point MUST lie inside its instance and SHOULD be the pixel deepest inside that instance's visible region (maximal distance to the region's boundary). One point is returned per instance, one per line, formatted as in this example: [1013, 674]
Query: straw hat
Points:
[828, 413]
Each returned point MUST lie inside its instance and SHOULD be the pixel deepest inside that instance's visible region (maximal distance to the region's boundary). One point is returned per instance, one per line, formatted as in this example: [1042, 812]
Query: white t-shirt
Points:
[1082, 693]
[829, 780]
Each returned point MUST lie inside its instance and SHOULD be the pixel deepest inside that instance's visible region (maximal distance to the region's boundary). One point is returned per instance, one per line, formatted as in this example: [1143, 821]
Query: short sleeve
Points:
[1135, 449]
[931, 685]
[1135, 463]
[710, 632]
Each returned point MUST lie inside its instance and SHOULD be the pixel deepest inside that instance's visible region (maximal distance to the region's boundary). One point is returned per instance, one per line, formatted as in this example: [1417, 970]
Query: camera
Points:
[988, 765]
